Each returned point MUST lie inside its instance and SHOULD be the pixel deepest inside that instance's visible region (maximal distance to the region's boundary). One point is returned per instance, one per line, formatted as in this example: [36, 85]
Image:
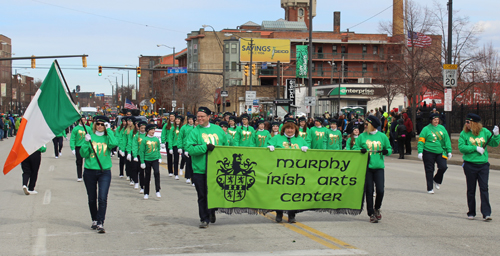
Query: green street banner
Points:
[302, 59]
[286, 179]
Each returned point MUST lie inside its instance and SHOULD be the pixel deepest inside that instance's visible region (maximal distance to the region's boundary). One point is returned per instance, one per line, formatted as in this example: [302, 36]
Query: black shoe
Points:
[291, 219]
[100, 229]
[401, 157]
[279, 217]
[94, 225]
[203, 224]
[408, 154]
[212, 218]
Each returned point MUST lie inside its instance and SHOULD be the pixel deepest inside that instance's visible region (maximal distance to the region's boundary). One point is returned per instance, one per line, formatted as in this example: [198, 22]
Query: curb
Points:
[453, 161]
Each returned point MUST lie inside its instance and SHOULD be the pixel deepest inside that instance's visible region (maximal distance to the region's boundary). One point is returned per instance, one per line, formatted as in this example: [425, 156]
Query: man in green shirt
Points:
[203, 138]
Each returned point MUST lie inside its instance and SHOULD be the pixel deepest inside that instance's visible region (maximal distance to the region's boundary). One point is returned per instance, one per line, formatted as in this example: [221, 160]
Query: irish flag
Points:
[49, 113]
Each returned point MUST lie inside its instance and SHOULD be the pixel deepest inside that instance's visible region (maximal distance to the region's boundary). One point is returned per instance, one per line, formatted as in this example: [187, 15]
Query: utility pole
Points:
[449, 59]
[224, 78]
[251, 58]
[173, 65]
[309, 64]
[279, 80]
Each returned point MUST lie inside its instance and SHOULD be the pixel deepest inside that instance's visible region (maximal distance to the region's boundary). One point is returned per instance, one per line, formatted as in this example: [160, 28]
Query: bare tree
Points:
[390, 80]
[488, 72]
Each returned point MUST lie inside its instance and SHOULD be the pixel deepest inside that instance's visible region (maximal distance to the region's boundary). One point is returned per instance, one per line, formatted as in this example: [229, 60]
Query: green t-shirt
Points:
[374, 142]
[304, 135]
[348, 144]
[261, 138]
[78, 136]
[197, 143]
[136, 143]
[149, 149]
[244, 137]
[434, 139]
[173, 138]
[233, 130]
[166, 132]
[102, 146]
[468, 143]
[318, 137]
[183, 135]
[281, 141]
[334, 140]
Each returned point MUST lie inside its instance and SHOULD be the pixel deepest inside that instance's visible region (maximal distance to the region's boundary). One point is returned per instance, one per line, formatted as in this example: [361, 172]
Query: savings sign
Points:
[265, 50]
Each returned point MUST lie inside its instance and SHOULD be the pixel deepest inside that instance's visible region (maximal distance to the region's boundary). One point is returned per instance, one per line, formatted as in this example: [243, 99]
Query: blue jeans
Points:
[1, 134]
[97, 183]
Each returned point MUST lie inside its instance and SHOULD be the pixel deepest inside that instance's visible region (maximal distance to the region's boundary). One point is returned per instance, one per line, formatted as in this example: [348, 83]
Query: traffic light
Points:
[90, 95]
[77, 95]
[100, 70]
[138, 71]
[253, 69]
[33, 64]
[84, 61]
[246, 70]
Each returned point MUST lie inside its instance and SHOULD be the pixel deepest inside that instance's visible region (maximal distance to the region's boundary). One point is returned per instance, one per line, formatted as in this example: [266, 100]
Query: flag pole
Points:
[83, 125]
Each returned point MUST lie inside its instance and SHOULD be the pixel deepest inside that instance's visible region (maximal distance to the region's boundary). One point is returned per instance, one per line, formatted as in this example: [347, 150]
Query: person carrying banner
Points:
[203, 138]
[165, 134]
[150, 157]
[318, 134]
[136, 144]
[118, 134]
[173, 143]
[184, 134]
[289, 139]
[434, 147]
[244, 137]
[261, 137]
[378, 146]
[30, 167]
[351, 141]
[75, 143]
[334, 137]
[472, 143]
[97, 169]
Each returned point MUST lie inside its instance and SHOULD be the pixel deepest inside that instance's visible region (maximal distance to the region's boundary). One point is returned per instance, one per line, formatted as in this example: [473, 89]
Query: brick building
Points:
[5, 73]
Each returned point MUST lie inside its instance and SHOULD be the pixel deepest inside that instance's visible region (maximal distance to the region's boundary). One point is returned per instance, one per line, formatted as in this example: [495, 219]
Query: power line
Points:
[373, 16]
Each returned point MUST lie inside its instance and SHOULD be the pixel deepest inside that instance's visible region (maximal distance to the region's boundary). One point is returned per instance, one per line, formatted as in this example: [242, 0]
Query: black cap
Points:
[180, 118]
[333, 121]
[302, 118]
[433, 115]
[227, 114]
[104, 119]
[142, 123]
[261, 121]
[224, 124]
[373, 120]
[216, 120]
[83, 116]
[232, 118]
[150, 126]
[133, 119]
[319, 119]
[205, 110]
[473, 117]
[245, 116]
[290, 120]
[191, 116]
[275, 123]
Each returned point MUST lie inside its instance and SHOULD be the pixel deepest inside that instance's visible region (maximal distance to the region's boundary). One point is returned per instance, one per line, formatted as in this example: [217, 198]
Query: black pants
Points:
[200, 182]
[128, 165]
[291, 214]
[188, 171]
[374, 176]
[79, 163]
[58, 145]
[156, 169]
[169, 160]
[122, 163]
[176, 161]
[430, 159]
[134, 170]
[401, 147]
[183, 161]
[408, 143]
[477, 174]
[30, 168]
[141, 172]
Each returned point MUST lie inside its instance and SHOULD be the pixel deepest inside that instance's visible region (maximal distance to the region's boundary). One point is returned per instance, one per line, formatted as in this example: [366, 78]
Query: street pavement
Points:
[57, 221]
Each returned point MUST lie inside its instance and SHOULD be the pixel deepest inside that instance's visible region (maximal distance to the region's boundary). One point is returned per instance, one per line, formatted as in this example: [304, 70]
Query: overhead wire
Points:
[372, 16]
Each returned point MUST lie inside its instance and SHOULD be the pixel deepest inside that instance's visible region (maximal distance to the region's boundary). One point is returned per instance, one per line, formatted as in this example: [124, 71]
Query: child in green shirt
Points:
[150, 157]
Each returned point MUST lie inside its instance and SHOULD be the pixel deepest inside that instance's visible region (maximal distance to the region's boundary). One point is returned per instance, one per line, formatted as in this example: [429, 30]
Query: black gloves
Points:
[385, 152]
[363, 150]
[210, 147]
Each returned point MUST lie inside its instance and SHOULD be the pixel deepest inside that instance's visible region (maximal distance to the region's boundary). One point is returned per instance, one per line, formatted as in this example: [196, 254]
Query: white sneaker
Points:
[158, 194]
[128, 178]
[25, 189]
[193, 184]
[436, 185]
[141, 191]
[57, 157]
[121, 176]
[60, 154]
[170, 174]
[176, 177]
[181, 172]
[188, 181]
[131, 183]
[136, 186]
[32, 192]
[430, 192]
[79, 180]
[146, 196]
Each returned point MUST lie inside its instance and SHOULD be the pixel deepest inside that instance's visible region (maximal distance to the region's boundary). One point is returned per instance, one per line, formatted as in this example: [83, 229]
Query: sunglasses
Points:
[467, 122]
[99, 124]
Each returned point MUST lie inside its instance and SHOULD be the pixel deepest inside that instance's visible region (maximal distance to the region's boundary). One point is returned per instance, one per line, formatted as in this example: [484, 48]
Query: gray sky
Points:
[115, 33]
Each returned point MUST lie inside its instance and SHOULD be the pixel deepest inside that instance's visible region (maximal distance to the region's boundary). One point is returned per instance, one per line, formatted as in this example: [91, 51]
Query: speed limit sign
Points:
[449, 75]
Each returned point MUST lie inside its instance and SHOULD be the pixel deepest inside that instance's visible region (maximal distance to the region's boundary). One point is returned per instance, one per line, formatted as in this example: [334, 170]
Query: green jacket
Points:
[165, 133]
[374, 142]
[281, 141]
[43, 149]
[318, 137]
[124, 135]
[261, 138]
[78, 136]
[183, 135]
[244, 137]
[334, 140]
[468, 143]
[173, 138]
[149, 149]
[130, 139]
[197, 144]
[435, 140]
[348, 144]
[304, 135]
[102, 145]
[232, 131]
[136, 143]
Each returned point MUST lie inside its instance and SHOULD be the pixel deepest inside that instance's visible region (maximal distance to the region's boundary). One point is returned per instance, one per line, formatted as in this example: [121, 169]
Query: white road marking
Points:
[51, 168]
[288, 253]
[39, 248]
[47, 196]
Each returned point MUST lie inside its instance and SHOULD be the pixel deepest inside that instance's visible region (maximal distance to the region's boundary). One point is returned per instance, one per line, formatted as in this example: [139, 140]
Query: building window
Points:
[195, 49]
[301, 12]
[334, 49]
[227, 48]
[234, 49]
[227, 66]
[375, 67]
[195, 65]
[375, 49]
[364, 48]
[233, 66]
[342, 49]
[364, 67]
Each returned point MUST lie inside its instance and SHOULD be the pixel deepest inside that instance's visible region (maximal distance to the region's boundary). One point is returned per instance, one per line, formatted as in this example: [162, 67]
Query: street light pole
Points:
[251, 59]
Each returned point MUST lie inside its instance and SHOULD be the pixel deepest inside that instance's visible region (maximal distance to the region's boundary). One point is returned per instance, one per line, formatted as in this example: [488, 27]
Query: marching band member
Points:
[30, 167]
[121, 153]
[275, 129]
[233, 129]
[150, 157]
[225, 126]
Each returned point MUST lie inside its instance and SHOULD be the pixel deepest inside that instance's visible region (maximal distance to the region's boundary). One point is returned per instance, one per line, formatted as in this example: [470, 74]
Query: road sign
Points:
[256, 103]
[174, 103]
[249, 97]
[177, 70]
[99, 94]
[449, 75]
[310, 101]
[224, 93]
[145, 107]
[264, 65]
[152, 100]
[447, 99]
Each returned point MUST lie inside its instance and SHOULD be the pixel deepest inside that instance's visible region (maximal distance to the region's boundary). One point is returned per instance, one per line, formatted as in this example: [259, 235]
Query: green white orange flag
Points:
[49, 113]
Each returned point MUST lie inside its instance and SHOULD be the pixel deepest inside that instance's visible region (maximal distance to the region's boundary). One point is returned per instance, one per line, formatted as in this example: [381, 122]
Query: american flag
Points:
[129, 104]
[419, 40]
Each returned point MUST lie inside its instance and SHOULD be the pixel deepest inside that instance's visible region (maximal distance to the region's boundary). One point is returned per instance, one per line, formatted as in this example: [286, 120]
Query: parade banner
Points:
[286, 179]
[302, 59]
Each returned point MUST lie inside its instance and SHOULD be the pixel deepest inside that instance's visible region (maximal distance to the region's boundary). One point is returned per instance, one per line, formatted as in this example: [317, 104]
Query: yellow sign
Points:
[450, 66]
[152, 100]
[142, 113]
[265, 50]
[145, 107]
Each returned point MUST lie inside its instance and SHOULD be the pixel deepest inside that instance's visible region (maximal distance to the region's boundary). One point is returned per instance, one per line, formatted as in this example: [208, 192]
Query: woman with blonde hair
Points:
[472, 144]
